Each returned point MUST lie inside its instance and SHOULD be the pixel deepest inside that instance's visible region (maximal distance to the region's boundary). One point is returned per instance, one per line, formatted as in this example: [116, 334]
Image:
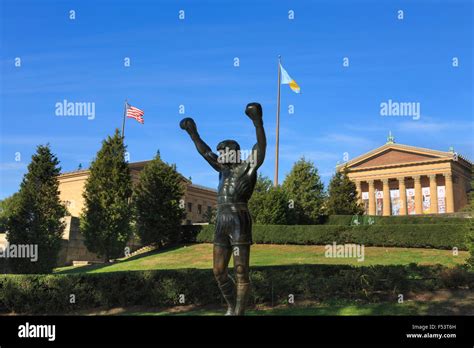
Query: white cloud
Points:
[435, 127]
[12, 166]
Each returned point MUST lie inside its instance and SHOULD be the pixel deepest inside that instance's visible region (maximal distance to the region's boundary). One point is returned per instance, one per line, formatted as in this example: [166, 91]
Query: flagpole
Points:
[124, 115]
[275, 181]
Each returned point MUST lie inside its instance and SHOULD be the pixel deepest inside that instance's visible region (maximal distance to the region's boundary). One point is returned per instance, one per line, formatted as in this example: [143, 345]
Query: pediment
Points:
[395, 154]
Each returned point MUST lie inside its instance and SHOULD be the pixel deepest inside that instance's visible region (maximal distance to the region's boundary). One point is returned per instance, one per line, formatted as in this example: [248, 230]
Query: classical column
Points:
[448, 178]
[403, 195]
[433, 195]
[418, 195]
[386, 198]
[359, 191]
[371, 197]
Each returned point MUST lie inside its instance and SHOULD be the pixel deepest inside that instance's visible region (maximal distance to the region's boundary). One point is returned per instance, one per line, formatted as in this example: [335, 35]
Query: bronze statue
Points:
[233, 235]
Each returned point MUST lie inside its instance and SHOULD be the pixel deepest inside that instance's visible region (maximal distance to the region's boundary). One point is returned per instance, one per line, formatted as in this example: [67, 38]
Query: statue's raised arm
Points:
[189, 126]
[254, 112]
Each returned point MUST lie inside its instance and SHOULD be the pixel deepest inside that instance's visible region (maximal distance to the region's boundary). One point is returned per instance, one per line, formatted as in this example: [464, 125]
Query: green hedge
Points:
[43, 294]
[438, 236]
[345, 220]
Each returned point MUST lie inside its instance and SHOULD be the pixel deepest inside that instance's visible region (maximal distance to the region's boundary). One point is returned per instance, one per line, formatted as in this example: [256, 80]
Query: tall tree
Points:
[269, 205]
[342, 199]
[274, 208]
[255, 203]
[209, 215]
[105, 220]
[7, 207]
[156, 200]
[304, 188]
[37, 213]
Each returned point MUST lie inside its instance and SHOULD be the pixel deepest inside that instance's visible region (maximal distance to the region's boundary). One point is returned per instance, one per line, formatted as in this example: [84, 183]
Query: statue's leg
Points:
[241, 266]
[224, 281]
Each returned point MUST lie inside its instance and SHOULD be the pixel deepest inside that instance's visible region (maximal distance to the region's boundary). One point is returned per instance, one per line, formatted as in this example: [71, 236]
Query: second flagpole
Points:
[275, 181]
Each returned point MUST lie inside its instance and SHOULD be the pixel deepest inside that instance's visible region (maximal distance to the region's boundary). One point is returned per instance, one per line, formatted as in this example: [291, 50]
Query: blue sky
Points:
[190, 62]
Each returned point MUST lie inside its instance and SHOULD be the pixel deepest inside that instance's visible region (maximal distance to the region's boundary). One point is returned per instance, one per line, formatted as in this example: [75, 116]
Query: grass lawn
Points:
[200, 256]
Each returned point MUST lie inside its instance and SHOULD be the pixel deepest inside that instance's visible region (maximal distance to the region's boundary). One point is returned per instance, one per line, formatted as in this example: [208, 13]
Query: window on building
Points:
[209, 209]
[199, 209]
[190, 207]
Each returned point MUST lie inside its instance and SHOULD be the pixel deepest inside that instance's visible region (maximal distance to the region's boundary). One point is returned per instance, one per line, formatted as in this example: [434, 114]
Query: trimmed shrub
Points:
[342, 220]
[438, 236]
[43, 294]
[345, 220]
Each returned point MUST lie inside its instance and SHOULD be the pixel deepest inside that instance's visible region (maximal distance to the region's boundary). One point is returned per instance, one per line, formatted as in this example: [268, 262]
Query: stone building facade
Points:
[397, 179]
[197, 199]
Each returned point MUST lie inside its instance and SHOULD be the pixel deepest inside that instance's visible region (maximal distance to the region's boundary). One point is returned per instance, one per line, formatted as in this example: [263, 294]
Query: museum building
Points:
[197, 199]
[397, 179]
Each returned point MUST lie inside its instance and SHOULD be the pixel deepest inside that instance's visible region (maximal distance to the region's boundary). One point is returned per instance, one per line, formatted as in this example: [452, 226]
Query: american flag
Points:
[135, 113]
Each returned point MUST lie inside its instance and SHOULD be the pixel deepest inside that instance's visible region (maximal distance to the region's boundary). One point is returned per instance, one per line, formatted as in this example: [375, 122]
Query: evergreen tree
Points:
[255, 203]
[157, 203]
[304, 188]
[471, 192]
[210, 216]
[342, 199]
[105, 220]
[7, 207]
[37, 213]
[274, 208]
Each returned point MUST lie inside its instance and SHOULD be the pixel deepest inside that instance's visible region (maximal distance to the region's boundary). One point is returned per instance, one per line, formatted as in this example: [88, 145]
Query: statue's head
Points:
[229, 152]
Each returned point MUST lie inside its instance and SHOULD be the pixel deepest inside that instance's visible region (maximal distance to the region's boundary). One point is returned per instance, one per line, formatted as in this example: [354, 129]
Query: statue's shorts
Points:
[233, 225]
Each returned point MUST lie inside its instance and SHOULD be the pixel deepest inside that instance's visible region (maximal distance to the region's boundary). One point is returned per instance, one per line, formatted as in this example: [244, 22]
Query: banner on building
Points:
[365, 202]
[411, 201]
[378, 202]
[426, 199]
[395, 201]
[441, 199]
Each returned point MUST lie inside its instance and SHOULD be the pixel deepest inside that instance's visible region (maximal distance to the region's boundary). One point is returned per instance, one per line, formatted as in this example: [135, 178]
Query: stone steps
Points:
[145, 249]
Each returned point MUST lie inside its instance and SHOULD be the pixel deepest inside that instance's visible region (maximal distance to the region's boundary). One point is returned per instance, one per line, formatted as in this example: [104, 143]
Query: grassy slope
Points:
[200, 256]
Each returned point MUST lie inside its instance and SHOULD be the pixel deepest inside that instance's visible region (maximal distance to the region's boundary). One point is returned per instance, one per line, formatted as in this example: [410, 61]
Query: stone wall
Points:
[72, 244]
[74, 249]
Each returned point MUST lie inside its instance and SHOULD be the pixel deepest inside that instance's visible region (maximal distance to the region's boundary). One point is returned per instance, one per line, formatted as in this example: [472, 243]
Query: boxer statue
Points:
[233, 234]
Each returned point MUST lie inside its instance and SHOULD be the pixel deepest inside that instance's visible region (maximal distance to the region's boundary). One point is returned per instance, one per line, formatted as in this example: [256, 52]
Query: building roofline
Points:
[131, 165]
[203, 188]
[448, 155]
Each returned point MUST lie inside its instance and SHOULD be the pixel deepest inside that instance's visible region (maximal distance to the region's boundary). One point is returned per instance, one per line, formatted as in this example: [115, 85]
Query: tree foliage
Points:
[209, 215]
[156, 200]
[105, 220]
[342, 195]
[7, 207]
[305, 191]
[35, 218]
[269, 205]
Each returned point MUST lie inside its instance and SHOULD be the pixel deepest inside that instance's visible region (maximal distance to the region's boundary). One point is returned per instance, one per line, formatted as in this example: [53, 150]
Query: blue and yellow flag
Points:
[287, 80]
